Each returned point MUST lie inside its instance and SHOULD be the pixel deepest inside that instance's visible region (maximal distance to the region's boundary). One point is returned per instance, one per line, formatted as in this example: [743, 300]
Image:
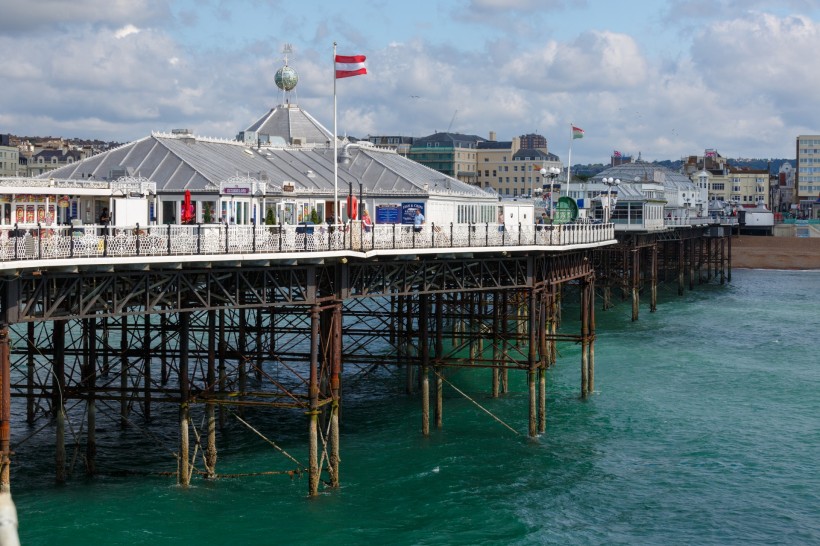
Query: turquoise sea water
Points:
[704, 429]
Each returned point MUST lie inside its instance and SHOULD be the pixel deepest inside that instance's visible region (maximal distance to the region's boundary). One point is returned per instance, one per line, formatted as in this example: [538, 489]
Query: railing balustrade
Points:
[28, 242]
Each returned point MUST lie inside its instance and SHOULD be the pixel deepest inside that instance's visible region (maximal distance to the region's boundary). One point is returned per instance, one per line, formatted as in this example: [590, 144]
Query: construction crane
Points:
[452, 120]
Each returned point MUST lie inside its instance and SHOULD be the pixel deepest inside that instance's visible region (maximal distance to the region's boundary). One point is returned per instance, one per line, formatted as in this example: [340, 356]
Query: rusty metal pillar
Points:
[210, 390]
[695, 263]
[336, 393]
[729, 256]
[89, 382]
[124, 363]
[653, 266]
[183, 475]
[636, 282]
[496, 369]
[222, 355]
[553, 317]
[532, 361]
[722, 260]
[313, 400]
[146, 372]
[30, 374]
[584, 340]
[163, 349]
[241, 352]
[505, 324]
[58, 396]
[5, 409]
[543, 359]
[258, 349]
[607, 288]
[681, 267]
[439, 351]
[425, 365]
[590, 334]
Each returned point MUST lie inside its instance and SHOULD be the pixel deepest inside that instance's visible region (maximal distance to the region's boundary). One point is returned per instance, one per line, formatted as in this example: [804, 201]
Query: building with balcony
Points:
[452, 154]
[740, 186]
[807, 179]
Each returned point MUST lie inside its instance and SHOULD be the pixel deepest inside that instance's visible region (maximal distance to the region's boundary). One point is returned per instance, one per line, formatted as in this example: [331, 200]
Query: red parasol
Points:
[187, 208]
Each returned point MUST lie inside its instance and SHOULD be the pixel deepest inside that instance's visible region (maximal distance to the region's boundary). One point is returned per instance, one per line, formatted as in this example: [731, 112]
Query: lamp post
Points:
[609, 182]
[551, 173]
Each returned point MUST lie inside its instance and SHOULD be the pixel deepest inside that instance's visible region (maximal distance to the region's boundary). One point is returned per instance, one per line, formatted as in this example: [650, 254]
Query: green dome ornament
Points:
[286, 78]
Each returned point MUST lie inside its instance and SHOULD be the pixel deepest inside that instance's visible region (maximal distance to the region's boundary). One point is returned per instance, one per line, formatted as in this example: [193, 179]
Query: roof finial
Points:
[286, 78]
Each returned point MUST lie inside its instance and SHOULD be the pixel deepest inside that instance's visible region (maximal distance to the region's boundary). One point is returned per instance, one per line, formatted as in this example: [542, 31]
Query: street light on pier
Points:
[608, 208]
[551, 173]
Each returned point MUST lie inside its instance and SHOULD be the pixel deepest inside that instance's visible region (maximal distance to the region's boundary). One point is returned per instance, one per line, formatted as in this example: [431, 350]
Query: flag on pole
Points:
[617, 154]
[577, 132]
[350, 65]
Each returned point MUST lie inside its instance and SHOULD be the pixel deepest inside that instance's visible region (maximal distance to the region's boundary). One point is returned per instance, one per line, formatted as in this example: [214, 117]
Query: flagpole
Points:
[335, 147]
[569, 158]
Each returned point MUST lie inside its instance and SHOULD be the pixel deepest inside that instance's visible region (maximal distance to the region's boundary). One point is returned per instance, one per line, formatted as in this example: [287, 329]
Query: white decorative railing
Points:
[29, 242]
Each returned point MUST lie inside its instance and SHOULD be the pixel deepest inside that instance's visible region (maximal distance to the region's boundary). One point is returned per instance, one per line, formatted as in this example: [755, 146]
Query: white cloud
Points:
[23, 16]
[742, 86]
[127, 30]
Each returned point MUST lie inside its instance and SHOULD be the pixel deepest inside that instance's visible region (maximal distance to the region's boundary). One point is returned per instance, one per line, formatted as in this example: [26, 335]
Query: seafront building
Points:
[807, 178]
[724, 182]
[9, 157]
[452, 154]
[511, 168]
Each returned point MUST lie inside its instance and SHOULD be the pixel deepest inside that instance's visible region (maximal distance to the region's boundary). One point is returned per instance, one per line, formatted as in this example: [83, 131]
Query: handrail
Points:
[22, 242]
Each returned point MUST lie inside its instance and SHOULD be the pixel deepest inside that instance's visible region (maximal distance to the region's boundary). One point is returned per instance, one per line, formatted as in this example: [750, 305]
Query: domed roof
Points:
[641, 171]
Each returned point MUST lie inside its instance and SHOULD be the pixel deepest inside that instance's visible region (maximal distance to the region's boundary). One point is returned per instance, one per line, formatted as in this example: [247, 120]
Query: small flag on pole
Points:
[577, 132]
[350, 65]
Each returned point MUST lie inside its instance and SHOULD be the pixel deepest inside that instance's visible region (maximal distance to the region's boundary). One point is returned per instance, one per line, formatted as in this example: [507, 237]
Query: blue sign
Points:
[408, 211]
[387, 214]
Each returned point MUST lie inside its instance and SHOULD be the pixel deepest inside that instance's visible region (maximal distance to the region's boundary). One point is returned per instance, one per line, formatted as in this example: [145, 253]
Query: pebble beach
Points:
[761, 252]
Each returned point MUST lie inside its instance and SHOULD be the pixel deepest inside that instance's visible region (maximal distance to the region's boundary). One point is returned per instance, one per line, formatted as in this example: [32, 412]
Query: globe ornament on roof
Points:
[286, 78]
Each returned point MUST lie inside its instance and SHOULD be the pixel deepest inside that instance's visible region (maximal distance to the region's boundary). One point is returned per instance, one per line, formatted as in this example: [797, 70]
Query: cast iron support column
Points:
[210, 407]
[636, 282]
[5, 409]
[532, 362]
[336, 393]
[124, 371]
[425, 365]
[439, 406]
[90, 382]
[30, 374]
[58, 396]
[496, 369]
[653, 266]
[183, 476]
[313, 398]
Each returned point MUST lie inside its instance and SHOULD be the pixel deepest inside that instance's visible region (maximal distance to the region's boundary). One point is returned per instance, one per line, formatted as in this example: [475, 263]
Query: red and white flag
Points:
[350, 65]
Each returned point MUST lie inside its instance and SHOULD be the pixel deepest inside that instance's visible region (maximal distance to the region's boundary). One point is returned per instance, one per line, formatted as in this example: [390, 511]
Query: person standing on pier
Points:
[104, 220]
[368, 223]
[418, 221]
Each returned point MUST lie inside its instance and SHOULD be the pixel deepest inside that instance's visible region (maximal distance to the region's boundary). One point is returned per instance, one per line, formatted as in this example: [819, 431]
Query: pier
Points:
[196, 323]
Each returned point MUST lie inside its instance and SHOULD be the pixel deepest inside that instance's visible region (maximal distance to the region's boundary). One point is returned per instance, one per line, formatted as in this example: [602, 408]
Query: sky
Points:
[663, 79]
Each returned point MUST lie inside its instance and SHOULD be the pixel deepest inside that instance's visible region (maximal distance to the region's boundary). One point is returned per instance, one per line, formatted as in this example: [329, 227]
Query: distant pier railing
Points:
[39, 242]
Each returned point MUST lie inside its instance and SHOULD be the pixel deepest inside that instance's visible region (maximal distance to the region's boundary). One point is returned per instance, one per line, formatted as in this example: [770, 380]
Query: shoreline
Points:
[785, 253]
